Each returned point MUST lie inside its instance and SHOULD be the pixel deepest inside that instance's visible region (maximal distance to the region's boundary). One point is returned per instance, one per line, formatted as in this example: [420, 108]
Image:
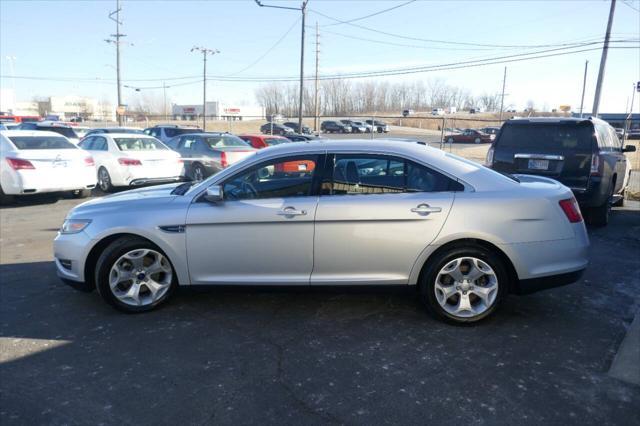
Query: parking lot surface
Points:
[301, 356]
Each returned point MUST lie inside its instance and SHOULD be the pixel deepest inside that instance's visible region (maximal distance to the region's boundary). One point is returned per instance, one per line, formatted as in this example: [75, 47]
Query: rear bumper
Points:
[533, 285]
[35, 182]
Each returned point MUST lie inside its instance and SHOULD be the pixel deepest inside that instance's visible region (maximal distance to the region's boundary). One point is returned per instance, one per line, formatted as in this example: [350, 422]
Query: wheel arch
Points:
[466, 242]
[98, 248]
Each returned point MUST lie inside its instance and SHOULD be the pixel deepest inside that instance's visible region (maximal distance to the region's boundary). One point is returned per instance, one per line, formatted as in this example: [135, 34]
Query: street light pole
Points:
[584, 86]
[117, 37]
[504, 82]
[204, 52]
[303, 9]
[603, 60]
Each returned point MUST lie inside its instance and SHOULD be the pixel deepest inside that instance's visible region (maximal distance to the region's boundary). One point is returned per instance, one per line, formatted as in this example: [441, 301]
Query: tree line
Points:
[346, 97]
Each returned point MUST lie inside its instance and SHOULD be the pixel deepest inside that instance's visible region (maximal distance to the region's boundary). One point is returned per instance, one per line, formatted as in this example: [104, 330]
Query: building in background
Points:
[217, 110]
[618, 120]
[64, 107]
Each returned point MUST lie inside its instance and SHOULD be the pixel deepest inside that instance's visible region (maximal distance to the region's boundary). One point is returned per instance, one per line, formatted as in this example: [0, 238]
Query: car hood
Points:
[126, 200]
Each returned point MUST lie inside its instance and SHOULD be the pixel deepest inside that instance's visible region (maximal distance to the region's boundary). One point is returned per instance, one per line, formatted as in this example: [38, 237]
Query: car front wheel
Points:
[463, 284]
[477, 140]
[134, 275]
[450, 140]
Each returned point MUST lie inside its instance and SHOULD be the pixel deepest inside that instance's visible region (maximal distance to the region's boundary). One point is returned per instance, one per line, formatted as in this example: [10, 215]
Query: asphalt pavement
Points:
[309, 356]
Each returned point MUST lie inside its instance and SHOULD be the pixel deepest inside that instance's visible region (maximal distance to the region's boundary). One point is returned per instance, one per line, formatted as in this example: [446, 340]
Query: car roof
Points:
[524, 120]
[262, 136]
[124, 135]
[29, 133]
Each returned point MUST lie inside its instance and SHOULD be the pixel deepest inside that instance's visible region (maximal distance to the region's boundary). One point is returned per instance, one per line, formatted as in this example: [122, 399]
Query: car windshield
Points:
[571, 136]
[121, 130]
[41, 142]
[64, 131]
[224, 140]
[275, 141]
[139, 144]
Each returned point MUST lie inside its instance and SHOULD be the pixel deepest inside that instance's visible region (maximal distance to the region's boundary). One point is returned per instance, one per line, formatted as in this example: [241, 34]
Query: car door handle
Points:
[426, 209]
[291, 211]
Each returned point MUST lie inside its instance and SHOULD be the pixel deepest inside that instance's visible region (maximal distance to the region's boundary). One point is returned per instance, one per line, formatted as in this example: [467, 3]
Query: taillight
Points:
[129, 162]
[88, 161]
[571, 209]
[489, 160]
[595, 165]
[19, 164]
[223, 160]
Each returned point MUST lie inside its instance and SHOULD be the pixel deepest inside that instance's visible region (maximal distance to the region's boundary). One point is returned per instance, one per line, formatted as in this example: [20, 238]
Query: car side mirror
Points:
[629, 148]
[214, 194]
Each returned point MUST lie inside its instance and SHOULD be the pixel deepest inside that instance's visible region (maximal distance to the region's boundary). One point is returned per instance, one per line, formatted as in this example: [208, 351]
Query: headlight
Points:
[73, 226]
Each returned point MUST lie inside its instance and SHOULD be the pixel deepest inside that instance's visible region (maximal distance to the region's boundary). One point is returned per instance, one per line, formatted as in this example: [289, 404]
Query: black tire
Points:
[599, 216]
[620, 202]
[104, 180]
[106, 260]
[477, 140]
[81, 193]
[5, 199]
[197, 172]
[426, 286]
[450, 140]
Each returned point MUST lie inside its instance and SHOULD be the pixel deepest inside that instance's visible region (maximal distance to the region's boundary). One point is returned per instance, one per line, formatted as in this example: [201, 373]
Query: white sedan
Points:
[124, 159]
[33, 162]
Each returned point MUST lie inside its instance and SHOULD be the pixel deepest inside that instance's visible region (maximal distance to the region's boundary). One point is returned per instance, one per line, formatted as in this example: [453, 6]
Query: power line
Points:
[378, 73]
[434, 40]
[268, 50]
[380, 12]
[628, 4]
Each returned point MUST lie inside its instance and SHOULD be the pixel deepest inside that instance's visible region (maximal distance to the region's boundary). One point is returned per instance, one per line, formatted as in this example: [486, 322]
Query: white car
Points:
[33, 162]
[125, 159]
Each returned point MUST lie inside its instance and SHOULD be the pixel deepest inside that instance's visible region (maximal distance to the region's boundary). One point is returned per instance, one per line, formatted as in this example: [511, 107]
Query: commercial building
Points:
[618, 120]
[218, 111]
[64, 107]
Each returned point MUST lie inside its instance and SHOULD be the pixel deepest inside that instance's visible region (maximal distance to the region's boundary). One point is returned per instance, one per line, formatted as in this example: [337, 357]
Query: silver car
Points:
[333, 213]
[205, 154]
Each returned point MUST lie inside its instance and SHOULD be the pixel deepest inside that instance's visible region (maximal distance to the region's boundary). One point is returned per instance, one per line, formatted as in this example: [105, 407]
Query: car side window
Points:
[603, 138]
[616, 143]
[188, 142]
[87, 143]
[100, 144]
[281, 178]
[380, 174]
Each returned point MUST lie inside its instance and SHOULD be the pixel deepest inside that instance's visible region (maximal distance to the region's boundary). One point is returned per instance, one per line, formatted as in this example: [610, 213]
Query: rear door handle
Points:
[425, 209]
[291, 211]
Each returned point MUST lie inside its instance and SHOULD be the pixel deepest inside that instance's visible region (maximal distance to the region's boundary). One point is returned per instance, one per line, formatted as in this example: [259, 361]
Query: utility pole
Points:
[117, 37]
[504, 82]
[303, 9]
[204, 52]
[316, 118]
[584, 86]
[603, 60]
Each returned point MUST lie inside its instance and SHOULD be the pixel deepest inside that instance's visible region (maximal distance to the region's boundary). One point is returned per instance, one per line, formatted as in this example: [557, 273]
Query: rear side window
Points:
[139, 144]
[546, 136]
[41, 142]
[64, 131]
[380, 174]
[223, 140]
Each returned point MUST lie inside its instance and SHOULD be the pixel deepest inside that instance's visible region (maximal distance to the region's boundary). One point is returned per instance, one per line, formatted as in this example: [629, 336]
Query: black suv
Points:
[331, 126]
[306, 130]
[275, 129]
[586, 155]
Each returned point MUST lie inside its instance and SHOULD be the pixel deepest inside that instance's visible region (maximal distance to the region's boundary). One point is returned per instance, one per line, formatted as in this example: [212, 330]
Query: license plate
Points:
[539, 164]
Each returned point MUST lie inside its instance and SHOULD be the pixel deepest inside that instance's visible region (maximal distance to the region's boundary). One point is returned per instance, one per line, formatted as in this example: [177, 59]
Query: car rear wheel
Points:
[599, 216]
[464, 284]
[477, 140]
[4, 198]
[104, 180]
[197, 172]
[134, 275]
[450, 140]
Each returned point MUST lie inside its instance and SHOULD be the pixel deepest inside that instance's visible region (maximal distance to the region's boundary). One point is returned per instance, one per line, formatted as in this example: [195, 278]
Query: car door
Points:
[375, 216]
[262, 233]
[621, 161]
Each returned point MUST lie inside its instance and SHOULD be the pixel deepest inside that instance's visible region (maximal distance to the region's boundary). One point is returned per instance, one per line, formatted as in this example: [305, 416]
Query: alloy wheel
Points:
[140, 277]
[466, 287]
[104, 180]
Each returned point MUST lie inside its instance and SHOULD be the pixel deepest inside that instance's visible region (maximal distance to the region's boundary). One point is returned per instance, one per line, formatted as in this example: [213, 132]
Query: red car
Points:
[471, 136]
[265, 141]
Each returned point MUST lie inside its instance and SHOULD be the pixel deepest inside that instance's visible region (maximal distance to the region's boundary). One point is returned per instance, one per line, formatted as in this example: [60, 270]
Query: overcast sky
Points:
[65, 40]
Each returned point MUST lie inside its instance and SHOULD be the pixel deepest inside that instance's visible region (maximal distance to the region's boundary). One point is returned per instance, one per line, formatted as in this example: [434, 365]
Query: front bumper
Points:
[70, 254]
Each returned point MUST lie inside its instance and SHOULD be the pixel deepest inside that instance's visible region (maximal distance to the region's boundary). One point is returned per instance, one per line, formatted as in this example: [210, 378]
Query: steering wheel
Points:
[249, 190]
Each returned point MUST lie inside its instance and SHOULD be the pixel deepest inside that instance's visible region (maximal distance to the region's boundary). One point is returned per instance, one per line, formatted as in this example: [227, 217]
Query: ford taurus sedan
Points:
[350, 213]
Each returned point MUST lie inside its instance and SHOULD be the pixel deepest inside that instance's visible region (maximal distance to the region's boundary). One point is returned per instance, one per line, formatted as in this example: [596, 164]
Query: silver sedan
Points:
[333, 213]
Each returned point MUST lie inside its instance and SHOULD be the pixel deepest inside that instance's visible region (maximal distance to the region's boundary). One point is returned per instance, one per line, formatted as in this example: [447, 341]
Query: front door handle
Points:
[291, 211]
[425, 209]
